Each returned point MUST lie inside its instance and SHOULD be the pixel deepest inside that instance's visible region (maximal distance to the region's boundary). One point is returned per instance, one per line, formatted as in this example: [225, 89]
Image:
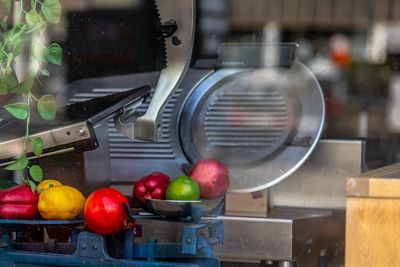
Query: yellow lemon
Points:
[61, 203]
[45, 184]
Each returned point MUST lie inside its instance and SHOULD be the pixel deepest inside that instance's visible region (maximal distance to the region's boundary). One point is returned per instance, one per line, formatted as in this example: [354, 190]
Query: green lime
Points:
[183, 188]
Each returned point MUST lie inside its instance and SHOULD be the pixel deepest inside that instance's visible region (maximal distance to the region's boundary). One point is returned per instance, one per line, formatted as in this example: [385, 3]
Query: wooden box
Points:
[373, 218]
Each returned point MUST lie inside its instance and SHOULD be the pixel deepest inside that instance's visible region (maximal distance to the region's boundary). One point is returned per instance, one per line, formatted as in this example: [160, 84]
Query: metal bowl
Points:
[184, 208]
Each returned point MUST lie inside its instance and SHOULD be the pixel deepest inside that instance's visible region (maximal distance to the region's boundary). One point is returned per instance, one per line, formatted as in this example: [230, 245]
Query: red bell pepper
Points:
[18, 202]
[152, 186]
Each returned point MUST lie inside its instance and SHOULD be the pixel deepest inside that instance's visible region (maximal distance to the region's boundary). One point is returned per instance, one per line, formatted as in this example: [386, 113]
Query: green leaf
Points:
[45, 72]
[18, 110]
[7, 82]
[6, 5]
[23, 87]
[19, 164]
[16, 33]
[42, 25]
[51, 10]
[47, 107]
[3, 88]
[37, 146]
[32, 185]
[36, 173]
[4, 24]
[32, 18]
[53, 54]
[10, 81]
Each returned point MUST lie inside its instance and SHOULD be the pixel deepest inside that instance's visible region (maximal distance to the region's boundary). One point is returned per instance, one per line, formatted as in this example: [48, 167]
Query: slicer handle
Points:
[178, 50]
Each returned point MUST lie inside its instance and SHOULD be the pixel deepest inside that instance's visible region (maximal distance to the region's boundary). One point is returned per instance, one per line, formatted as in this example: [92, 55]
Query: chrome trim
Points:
[51, 138]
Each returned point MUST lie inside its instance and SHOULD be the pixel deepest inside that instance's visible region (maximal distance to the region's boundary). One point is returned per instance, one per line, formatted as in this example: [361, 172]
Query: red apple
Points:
[212, 177]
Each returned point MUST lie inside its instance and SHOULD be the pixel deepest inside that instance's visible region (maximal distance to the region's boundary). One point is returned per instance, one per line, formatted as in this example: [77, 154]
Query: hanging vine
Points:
[25, 37]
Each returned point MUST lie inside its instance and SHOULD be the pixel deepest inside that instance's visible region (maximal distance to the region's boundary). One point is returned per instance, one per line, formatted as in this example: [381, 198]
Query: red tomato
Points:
[104, 211]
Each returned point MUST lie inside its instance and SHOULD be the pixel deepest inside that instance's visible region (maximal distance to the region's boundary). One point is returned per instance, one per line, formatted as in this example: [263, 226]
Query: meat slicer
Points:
[257, 109]
[263, 119]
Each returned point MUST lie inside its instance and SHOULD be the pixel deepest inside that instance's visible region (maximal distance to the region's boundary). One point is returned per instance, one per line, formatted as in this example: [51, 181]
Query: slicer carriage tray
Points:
[72, 129]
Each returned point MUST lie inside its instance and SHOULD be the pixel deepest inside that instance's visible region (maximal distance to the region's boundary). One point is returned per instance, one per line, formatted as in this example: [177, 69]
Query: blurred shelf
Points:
[353, 14]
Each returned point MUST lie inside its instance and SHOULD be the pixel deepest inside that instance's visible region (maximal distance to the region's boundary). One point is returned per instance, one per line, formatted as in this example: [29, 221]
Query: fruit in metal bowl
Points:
[183, 188]
[212, 177]
[152, 186]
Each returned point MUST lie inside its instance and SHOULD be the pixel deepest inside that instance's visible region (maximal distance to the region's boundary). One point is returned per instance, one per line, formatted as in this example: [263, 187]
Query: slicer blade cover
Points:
[263, 124]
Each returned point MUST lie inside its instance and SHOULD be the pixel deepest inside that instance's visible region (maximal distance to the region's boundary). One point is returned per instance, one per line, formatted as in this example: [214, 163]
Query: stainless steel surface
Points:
[180, 208]
[275, 237]
[46, 154]
[321, 181]
[52, 138]
[148, 126]
[132, 158]
[274, 116]
[286, 264]
[238, 113]
[311, 223]
[286, 235]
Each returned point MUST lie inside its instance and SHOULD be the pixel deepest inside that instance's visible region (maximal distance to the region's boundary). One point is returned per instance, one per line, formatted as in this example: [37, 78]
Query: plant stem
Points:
[21, 9]
[34, 97]
[21, 174]
[28, 118]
